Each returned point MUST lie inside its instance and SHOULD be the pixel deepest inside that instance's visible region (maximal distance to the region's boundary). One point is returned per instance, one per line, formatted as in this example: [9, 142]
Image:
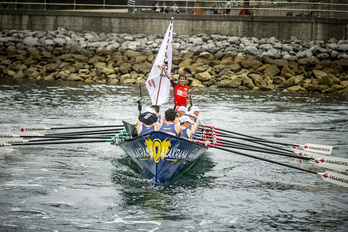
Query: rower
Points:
[156, 108]
[195, 111]
[147, 122]
[196, 122]
[185, 123]
[181, 111]
[180, 89]
[169, 126]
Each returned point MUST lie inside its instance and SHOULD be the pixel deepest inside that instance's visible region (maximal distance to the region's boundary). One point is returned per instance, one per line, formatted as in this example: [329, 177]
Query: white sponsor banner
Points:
[157, 83]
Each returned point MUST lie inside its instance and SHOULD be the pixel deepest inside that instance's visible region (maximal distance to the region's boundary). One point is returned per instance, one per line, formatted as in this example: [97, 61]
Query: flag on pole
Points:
[157, 83]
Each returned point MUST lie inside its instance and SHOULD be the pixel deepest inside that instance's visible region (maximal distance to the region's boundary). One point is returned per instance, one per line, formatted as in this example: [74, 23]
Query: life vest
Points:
[184, 134]
[180, 94]
[146, 129]
[169, 128]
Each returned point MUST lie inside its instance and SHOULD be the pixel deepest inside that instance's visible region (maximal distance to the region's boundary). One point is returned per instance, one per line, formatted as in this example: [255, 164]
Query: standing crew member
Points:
[180, 89]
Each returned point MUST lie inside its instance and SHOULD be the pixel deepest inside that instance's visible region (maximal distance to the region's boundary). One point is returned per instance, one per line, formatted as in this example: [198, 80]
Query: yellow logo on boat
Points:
[157, 149]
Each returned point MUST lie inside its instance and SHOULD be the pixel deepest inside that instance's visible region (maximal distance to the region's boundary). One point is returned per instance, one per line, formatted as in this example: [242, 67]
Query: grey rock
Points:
[266, 47]
[196, 41]
[287, 47]
[128, 38]
[342, 47]
[234, 40]
[251, 50]
[31, 41]
[334, 54]
[332, 40]
[301, 54]
[59, 41]
[273, 53]
[323, 56]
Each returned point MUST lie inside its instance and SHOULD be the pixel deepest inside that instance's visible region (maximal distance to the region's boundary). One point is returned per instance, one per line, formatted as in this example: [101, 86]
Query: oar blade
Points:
[33, 129]
[308, 154]
[335, 178]
[324, 149]
[11, 141]
[338, 164]
[6, 135]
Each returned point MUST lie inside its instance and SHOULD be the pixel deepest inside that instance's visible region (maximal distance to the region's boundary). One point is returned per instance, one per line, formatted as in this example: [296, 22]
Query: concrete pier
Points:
[281, 27]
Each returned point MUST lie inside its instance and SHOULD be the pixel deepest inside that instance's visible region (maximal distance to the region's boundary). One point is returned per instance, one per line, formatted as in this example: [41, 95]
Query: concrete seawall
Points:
[283, 28]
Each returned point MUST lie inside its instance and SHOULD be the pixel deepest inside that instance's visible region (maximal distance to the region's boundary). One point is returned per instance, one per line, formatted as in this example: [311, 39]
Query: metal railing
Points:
[207, 7]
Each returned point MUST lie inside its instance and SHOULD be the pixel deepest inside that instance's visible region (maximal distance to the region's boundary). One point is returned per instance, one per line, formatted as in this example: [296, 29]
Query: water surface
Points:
[96, 187]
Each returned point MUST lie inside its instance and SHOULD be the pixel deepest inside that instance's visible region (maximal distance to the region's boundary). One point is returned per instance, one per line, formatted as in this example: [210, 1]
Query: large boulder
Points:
[294, 80]
[258, 81]
[272, 70]
[74, 77]
[235, 67]
[225, 83]
[31, 41]
[236, 82]
[319, 73]
[125, 68]
[325, 80]
[296, 88]
[197, 84]
[247, 82]
[251, 63]
[278, 80]
[204, 76]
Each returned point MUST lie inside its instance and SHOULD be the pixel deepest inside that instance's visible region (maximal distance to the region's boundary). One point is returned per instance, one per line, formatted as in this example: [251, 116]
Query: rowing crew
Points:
[181, 123]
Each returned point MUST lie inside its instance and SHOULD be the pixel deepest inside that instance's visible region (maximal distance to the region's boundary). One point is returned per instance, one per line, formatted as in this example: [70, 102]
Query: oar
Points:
[309, 147]
[241, 146]
[191, 102]
[106, 131]
[43, 127]
[217, 135]
[334, 163]
[10, 135]
[55, 142]
[46, 138]
[328, 176]
[230, 144]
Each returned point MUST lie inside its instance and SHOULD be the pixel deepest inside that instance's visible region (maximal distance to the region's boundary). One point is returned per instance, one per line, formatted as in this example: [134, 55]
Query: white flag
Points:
[155, 84]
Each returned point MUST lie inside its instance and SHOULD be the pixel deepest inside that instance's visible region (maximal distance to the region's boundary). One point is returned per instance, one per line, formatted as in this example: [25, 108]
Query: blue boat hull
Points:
[161, 156]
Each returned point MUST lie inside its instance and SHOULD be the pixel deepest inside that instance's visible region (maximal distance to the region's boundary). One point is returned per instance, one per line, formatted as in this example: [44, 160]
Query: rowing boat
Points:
[161, 156]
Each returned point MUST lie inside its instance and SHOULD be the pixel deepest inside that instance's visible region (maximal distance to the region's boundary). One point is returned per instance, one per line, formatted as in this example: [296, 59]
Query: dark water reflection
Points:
[95, 187]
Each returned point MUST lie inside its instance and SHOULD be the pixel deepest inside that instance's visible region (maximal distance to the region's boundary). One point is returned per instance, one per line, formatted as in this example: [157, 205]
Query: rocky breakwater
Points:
[208, 60]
